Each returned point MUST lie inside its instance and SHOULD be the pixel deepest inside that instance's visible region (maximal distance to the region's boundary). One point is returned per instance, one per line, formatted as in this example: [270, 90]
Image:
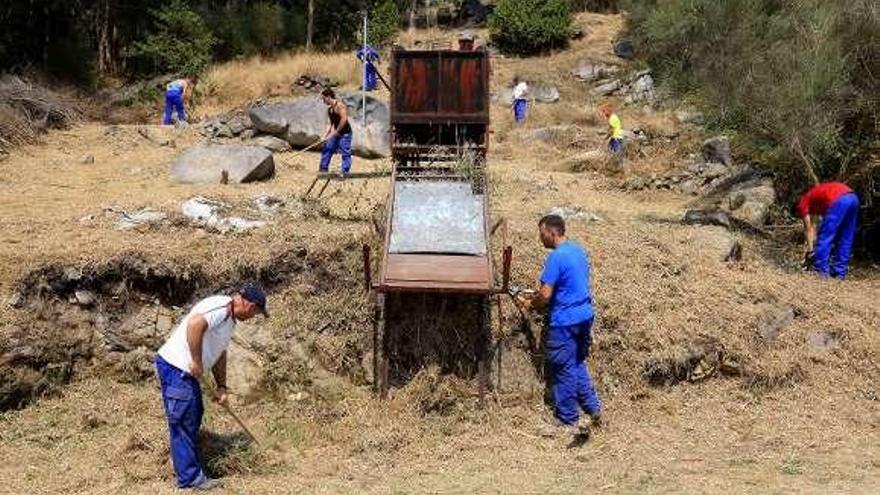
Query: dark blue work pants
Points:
[519, 110]
[174, 103]
[342, 143]
[838, 229]
[182, 397]
[567, 351]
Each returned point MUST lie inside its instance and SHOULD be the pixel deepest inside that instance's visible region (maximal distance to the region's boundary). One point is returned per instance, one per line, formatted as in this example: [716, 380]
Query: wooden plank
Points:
[440, 118]
[436, 272]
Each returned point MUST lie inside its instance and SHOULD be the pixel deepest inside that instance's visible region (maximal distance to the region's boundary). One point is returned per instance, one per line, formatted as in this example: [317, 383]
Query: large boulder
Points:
[205, 164]
[715, 243]
[641, 88]
[302, 122]
[607, 88]
[588, 71]
[750, 201]
[545, 93]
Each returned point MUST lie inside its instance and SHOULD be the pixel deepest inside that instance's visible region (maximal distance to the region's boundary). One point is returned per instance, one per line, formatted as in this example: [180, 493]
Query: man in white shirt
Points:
[520, 99]
[198, 343]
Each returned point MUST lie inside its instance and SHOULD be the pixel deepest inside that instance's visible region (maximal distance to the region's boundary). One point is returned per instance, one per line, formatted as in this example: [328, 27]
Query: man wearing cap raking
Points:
[197, 344]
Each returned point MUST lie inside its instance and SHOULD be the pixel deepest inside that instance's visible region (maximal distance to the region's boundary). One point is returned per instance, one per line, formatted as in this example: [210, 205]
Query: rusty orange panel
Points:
[430, 84]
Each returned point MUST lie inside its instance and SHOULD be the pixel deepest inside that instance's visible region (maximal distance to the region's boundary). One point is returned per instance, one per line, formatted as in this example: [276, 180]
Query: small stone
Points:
[84, 298]
[223, 131]
[164, 324]
[298, 396]
[690, 187]
[607, 88]
[73, 274]
[713, 170]
[573, 213]
[704, 217]
[143, 218]
[717, 150]
[247, 134]
[823, 341]
[271, 143]
[87, 160]
[624, 49]
[268, 204]
[90, 421]
[774, 320]
[236, 126]
[16, 300]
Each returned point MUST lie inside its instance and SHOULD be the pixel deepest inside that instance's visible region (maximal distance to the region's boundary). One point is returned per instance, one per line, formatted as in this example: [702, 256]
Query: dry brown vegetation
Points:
[697, 400]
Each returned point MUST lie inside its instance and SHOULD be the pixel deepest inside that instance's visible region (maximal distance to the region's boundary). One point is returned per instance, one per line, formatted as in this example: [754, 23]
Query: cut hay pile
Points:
[27, 109]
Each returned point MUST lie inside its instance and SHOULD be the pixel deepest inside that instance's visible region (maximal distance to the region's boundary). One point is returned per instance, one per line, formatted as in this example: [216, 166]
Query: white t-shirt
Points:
[217, 311]
[520, 90]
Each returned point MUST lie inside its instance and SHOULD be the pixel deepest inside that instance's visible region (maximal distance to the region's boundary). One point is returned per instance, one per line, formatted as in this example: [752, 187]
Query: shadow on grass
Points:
[227, 454]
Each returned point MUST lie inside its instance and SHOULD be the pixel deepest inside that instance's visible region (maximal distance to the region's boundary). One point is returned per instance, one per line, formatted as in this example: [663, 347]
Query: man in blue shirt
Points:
[565, 289]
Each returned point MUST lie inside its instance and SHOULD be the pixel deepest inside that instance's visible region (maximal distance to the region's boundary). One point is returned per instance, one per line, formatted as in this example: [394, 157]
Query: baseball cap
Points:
[256, 295]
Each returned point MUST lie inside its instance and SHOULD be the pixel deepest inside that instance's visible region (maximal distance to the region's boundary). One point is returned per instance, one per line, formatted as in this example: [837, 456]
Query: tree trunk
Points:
[310, 26]
[412, 16]
[108, 45]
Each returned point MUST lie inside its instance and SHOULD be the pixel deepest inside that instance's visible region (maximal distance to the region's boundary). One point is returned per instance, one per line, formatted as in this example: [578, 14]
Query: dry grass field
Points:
[697, 399]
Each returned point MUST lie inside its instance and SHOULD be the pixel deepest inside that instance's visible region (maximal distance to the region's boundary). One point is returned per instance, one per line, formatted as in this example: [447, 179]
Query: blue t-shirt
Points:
[567, 270]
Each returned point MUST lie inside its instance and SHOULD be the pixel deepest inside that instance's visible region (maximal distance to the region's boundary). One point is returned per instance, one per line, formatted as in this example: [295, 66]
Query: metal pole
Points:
[364, 82]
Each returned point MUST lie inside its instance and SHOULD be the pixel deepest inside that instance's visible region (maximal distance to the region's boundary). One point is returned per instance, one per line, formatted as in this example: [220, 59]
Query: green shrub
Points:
[181, 41]
[792, 79]
[384, 23]
[266, 26]
[595, 5]
[530, 26]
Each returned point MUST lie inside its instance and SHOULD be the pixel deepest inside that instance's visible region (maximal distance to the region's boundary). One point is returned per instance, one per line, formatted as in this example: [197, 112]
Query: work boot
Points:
[574, 436]
[596, 420]
[555, 428]
[208, 484]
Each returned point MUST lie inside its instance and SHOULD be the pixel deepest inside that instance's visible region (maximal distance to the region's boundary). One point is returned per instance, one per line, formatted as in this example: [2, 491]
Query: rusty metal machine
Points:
[438, 232]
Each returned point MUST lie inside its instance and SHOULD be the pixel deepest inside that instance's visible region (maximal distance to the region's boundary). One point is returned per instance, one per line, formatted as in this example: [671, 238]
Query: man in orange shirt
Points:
[839, 207]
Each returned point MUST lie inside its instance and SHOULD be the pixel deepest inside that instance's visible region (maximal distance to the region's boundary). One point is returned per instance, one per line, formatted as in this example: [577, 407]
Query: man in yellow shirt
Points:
[615, 130]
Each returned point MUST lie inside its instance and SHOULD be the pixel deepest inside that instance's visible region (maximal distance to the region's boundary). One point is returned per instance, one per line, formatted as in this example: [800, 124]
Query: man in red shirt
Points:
[838, 206]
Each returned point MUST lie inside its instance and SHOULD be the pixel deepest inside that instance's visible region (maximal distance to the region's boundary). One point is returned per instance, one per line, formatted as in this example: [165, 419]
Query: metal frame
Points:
[425, 162]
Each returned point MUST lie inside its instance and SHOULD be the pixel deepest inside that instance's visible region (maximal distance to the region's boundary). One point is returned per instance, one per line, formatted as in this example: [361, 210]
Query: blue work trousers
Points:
[342, 143]
[567, 351]
[182, 397]
[370, 78]
[174, 103]
[519, 109]
[838, 230]
[615, 146]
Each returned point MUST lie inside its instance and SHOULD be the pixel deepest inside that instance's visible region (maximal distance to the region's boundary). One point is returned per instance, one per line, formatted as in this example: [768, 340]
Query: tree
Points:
[530, 26]
[110, 60]
[310, 26]
[384, 22]
[266, 26]
[181, 41]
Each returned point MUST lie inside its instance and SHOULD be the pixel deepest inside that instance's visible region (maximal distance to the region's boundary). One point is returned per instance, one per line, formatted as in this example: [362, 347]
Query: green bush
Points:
[181, 41]
[796, 81]
[530, 26]
[595, 5]
[266, 26]
[384, 23]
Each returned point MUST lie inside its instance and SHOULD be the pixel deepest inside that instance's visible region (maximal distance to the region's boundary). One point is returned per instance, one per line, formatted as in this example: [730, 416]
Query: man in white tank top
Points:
[197, 344]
